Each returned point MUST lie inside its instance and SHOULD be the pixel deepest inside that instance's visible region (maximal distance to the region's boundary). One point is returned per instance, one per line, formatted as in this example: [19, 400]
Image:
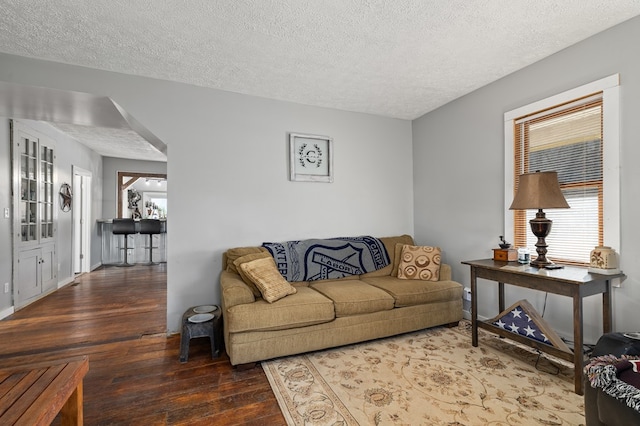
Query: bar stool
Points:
[124, 227]
[150, 227]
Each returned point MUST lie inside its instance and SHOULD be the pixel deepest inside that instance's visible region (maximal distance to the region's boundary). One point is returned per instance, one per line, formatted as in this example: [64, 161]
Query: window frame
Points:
[610, 88]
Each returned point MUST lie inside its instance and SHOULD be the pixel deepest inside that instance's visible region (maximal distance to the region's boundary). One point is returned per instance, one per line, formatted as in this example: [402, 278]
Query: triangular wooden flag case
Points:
[523, 319]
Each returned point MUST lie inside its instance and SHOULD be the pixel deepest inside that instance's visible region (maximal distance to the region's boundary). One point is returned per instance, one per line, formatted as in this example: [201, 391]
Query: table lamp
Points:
[539, 190]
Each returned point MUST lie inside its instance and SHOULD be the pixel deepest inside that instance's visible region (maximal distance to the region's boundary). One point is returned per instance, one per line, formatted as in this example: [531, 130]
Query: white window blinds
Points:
[567, 139]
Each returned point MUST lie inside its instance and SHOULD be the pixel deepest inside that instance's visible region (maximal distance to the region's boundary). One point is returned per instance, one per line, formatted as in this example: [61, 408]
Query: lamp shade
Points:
[539, 190]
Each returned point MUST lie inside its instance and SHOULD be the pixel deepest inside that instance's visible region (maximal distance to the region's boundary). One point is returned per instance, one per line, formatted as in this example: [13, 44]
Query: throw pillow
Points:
[234, 253]
[248, 258]
[265, 275]
[419, 263]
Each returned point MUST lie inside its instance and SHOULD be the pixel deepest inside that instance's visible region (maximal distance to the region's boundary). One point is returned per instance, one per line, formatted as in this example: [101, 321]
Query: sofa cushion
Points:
[390, 245]
[248, 258]
[306, 307]
[354, 297]
[265, 275]
[415, 292]
[419, 263]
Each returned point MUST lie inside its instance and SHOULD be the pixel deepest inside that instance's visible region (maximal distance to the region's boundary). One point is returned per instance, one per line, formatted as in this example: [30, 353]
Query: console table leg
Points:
[578, 355]
[474, 307]
[607, 315]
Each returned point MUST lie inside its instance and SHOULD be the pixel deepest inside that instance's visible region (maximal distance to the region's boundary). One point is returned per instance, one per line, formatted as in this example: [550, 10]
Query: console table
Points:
[574, 282]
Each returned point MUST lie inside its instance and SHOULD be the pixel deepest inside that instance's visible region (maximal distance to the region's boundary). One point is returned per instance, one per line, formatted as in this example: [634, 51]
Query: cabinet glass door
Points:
[46, 192]
[28, 189]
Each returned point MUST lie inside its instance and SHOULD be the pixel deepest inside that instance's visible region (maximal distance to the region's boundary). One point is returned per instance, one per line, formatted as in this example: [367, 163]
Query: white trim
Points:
[611, 167]
[65, 282]
[567, 96]
[610, 88]
[6, 312]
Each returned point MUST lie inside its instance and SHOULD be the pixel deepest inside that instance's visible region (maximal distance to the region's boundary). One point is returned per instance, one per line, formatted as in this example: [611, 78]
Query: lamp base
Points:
[541, 226]
[542, 263]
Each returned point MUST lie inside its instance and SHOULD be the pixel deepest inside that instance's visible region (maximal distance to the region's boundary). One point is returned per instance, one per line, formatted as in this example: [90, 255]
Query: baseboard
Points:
[96, 266]
[6, 312]
[65, 282]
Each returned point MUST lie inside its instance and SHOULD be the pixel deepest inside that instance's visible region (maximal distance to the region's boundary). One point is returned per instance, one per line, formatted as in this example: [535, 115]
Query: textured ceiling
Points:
[112, 142]
[399, 58]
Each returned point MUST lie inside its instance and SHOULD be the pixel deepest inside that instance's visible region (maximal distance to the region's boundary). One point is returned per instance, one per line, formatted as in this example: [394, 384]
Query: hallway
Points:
[116, 316]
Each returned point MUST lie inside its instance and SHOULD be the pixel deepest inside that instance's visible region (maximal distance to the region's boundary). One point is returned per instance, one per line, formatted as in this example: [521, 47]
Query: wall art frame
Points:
[311, 158]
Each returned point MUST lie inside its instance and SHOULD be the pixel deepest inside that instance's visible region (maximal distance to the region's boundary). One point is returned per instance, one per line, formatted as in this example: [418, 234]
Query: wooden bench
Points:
[34, 394]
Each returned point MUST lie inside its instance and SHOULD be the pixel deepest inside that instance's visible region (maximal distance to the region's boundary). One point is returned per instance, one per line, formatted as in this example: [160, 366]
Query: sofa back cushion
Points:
[394, 257]
[392, 244]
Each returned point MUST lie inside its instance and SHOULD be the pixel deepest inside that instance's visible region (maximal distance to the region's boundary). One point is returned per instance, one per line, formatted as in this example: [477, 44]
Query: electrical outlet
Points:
[467, 293]
[6, 212]
[6, 287]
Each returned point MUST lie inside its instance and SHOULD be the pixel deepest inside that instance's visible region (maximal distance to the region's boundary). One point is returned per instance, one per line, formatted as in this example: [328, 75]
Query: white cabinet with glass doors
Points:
[34, 225]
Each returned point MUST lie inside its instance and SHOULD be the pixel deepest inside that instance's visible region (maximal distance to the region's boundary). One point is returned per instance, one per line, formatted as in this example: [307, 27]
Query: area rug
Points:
[430, 377]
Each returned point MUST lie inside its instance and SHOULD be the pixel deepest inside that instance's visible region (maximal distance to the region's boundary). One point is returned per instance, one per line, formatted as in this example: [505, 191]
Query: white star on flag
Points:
[516, 313]
[530, 331]
[514, 328]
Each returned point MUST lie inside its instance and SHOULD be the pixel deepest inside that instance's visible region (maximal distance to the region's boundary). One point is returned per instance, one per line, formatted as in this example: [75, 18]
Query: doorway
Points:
[81, 214]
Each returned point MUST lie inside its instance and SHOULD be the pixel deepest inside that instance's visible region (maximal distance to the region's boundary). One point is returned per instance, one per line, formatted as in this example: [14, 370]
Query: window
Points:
[576, 135]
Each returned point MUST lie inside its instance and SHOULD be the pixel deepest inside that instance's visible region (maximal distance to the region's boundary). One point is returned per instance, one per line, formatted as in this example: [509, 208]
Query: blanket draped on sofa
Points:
[617, 377]
[321, 259]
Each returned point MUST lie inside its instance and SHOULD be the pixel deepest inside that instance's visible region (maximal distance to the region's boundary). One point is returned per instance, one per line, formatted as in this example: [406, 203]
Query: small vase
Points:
[604, 257]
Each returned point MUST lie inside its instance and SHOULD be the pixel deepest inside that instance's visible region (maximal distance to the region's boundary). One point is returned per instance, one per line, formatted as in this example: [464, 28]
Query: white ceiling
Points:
[400, 58]
[112, 142]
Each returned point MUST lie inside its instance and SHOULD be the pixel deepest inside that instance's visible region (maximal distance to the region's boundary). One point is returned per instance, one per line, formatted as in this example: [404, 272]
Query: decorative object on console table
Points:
[311, 158]
[539, 190]
[505, 253]
[604, 260]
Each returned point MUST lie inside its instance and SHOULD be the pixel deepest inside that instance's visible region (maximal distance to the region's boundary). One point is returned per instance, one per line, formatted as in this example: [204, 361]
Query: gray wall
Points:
[228, 169]
[111, 168]
[459, 164]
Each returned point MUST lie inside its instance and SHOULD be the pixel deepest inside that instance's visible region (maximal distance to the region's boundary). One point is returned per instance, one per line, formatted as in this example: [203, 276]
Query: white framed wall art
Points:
[311, 158]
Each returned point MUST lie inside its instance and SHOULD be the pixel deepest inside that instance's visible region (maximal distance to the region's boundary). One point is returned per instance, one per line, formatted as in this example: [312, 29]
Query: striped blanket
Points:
[321, 259]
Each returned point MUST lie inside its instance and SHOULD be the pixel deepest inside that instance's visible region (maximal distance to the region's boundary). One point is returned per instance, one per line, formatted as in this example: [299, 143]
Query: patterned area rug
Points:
[430, 377]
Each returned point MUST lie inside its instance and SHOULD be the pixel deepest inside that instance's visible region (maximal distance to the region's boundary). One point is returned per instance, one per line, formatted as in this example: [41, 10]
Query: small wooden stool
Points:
[210, 328]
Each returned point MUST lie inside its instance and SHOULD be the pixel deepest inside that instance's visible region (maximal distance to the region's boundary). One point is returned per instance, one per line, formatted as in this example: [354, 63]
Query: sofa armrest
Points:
[445, 272]
[234, 291]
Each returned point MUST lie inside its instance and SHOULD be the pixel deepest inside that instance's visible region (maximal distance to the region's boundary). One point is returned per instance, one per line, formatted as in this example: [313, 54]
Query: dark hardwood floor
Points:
[116, 316]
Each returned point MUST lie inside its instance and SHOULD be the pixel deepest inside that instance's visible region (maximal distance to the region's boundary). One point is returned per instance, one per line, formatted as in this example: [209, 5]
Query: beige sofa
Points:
[328, 313]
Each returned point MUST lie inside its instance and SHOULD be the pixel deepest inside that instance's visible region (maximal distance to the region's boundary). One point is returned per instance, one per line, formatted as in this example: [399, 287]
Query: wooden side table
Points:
[569, 281]
[210, 328]
[34, 394]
